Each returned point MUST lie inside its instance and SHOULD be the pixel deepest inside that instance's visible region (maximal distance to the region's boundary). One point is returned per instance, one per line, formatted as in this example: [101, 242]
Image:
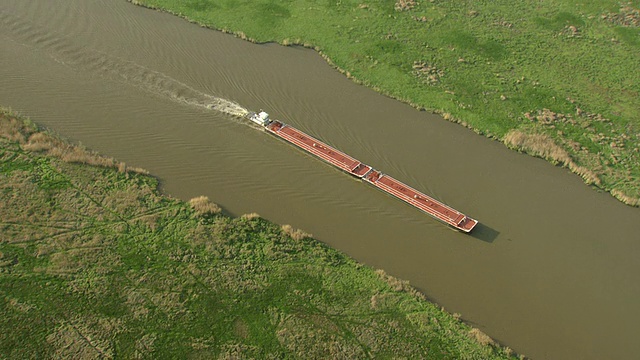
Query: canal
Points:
[551, 271]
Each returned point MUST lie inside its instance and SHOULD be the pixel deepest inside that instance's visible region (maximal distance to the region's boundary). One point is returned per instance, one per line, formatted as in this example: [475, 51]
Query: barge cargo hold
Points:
[318, 148]
[360, 170]
[423, 202]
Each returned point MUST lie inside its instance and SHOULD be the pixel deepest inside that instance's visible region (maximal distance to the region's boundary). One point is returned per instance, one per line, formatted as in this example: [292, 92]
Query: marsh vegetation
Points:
[497, 67]
[95, 263]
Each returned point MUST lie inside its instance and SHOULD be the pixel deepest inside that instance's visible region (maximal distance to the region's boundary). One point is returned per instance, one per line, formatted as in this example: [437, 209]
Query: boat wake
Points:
[62, 49]
[156, 83]
[160, 84]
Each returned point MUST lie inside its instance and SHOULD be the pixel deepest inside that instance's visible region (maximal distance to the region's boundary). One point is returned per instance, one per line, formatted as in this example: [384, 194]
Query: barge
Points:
[423, 202]
[365, 172]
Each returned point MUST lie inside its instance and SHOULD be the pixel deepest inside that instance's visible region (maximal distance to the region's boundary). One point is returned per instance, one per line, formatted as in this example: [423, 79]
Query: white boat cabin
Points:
[261, 118]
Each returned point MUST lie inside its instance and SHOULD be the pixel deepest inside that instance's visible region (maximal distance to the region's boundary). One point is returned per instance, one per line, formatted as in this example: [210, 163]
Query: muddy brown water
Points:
[552, 271]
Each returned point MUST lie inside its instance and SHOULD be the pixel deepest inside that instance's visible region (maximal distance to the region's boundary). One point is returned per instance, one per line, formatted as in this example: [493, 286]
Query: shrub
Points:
[203, 206]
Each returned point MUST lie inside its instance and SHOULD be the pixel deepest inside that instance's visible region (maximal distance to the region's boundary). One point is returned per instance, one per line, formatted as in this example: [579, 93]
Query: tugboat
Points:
[365, 172]
[261, 118]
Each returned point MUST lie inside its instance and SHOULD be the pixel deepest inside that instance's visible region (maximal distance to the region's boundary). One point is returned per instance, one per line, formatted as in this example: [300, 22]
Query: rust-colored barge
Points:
[318, 148]
[423, 202]
[356, 168]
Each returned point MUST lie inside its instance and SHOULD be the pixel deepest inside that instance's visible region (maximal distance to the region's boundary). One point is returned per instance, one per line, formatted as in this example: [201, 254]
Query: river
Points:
[551, 271]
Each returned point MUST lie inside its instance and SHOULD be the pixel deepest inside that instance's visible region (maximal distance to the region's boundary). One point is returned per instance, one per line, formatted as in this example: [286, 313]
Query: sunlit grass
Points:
[495, 61]
[95, 263]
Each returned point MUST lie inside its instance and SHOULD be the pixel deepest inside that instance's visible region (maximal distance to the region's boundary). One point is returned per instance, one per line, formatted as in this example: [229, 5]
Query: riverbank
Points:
[94, 262]
[557, 83]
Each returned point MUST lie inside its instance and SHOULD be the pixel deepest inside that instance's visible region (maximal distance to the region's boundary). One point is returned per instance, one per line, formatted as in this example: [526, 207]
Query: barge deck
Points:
[423, 202]
[318, 148]
[365, 172]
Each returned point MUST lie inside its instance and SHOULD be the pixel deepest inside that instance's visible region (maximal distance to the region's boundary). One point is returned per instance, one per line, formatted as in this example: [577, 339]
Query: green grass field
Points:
[95, 263]
[557, 79]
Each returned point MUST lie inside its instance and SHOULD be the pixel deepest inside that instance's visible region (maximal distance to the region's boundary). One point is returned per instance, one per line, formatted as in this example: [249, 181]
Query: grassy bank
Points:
[556, 79]
[95, 263]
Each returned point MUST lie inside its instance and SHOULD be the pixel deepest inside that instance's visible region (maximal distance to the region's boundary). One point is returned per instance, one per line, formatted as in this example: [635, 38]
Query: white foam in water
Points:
[59, 47]
[159, 83]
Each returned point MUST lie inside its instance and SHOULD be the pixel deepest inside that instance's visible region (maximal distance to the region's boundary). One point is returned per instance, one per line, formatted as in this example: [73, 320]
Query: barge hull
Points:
[423, 202]
[318, 148]
[356, 168]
